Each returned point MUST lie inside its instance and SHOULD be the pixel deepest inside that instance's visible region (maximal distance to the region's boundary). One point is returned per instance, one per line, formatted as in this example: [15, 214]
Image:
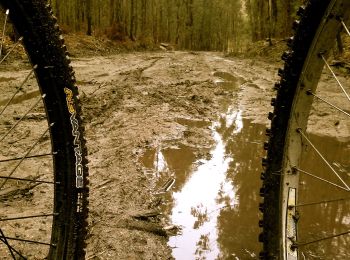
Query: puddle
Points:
[226, 80]
[215, 198]
[193, 123]
[171, 160]
[225, 75]
[213, 193]
[197, 206]
[321, 220]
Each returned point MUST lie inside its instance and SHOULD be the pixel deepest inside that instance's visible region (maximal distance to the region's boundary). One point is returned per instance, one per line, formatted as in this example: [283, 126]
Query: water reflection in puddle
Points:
[321, 220]
[193, 123]
[226, 80]
[197, 206]
[215, 198]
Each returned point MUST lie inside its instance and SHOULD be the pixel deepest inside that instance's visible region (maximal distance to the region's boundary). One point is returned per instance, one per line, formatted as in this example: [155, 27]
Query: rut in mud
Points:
[155, 118]
[160, 126]
[175, 138]
[136, 103]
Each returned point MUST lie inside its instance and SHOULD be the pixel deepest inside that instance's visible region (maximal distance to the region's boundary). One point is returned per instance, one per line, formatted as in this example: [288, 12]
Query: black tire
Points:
[278, 165]
[42, 40]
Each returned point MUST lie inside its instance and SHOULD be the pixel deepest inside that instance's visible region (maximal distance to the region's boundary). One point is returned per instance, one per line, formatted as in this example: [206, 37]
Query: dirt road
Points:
[132, 102]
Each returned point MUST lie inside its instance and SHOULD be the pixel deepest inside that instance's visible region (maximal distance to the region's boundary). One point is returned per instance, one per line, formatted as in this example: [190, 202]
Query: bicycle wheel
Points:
[286, 182]
[43, 185]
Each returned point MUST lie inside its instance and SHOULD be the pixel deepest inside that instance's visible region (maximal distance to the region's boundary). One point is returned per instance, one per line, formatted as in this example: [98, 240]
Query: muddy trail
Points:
[136, 103]
[175, 145]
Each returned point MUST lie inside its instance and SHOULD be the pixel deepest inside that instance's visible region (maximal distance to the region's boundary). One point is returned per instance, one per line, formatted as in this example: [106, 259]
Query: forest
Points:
[221, 25]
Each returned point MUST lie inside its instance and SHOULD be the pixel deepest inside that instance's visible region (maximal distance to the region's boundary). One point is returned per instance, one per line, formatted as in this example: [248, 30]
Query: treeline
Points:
[271, 18]
[224, 25]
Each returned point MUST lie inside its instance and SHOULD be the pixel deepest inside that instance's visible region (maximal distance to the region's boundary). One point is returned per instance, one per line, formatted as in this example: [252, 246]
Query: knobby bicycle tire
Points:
[276, 164]
[34, 21]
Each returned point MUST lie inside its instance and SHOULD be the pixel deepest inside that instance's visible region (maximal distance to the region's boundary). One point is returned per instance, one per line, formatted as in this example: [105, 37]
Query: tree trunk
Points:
[57, 10]
[88, 18]
[132, 20]
[340, 44]
[270, 22]
[144, 24]
[111, 12]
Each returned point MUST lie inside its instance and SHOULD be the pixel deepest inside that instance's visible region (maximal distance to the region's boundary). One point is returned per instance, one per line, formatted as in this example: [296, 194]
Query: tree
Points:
[190, 24]
[88, 17]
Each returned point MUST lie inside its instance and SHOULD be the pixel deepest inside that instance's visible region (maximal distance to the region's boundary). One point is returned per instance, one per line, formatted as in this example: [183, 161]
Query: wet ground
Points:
[176, 140]
[165, 128]
[215, 199]
[332, 217]
[23, 133]
[175, 144]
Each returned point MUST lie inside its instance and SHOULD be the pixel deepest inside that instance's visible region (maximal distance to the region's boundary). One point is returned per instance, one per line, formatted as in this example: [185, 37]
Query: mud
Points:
[136, 105]
[152, 118]
[21, 197]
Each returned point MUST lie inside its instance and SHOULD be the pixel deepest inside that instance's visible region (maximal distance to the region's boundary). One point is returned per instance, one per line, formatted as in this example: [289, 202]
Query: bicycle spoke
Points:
[20, 120]
[32, 216]
[3, 31]
[299, 178]
[28, 241]
[28, 180]
[13, 47]
[322, 202]
[345, 27]
[23, 158]
[323, 158]
[296, 245]
[18, 89]
[28, 157]
[336, 78]
[4, 240]
[329, 103]
[321, 179]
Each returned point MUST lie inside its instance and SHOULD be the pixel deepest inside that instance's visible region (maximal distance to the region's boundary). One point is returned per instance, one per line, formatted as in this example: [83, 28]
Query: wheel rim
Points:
[297, 137]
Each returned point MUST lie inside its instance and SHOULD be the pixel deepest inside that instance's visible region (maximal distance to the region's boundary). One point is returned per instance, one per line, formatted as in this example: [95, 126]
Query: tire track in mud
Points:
[136, 109]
